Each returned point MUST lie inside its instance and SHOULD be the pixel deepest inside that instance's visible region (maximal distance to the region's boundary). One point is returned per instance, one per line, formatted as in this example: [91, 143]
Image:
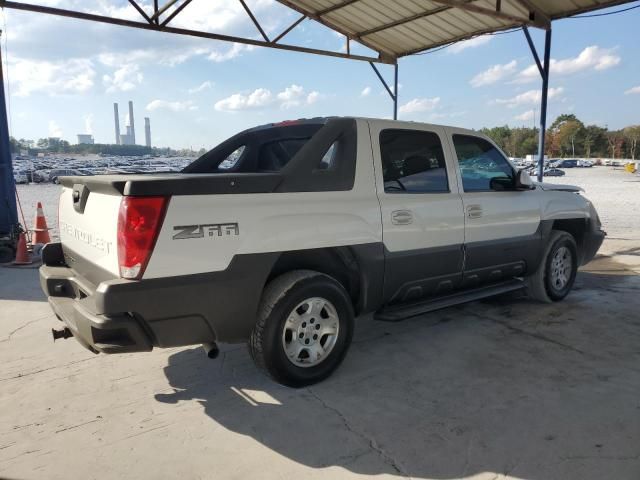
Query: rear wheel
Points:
[304, 328]
[557, 272]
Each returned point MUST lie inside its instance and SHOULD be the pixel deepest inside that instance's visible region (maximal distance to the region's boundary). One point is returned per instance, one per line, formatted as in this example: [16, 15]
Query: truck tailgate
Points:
[88, 222]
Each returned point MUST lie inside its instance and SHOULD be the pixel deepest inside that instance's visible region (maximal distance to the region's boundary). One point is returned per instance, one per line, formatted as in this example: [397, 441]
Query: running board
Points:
[396, 313]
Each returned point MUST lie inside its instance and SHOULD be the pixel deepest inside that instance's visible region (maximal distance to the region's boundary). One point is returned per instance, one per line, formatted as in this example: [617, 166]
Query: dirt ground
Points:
[503, 388]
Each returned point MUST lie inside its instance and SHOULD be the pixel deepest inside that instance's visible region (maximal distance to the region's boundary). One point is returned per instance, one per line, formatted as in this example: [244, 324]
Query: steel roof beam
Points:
[255, 21]
[186, 32]
[140, 11]
[338, 6]
[535, 13]
[402, 21]
[385, 56]
[175, 13]
[161, 10]
[471, 7]
[291, 27]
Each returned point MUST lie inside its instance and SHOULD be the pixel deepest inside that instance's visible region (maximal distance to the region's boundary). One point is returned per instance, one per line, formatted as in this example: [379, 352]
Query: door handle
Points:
[401, 217]
[474, 211]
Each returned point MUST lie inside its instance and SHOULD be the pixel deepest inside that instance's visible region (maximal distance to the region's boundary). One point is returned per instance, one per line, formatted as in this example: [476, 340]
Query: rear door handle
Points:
[401, 217]
[474, 211]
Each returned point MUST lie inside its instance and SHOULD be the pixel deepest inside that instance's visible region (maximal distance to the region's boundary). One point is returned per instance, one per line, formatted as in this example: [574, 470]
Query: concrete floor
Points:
[504, 388]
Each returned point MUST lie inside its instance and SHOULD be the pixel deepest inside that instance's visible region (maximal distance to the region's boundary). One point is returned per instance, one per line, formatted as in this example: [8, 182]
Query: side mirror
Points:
[524, 181]
[500, 184]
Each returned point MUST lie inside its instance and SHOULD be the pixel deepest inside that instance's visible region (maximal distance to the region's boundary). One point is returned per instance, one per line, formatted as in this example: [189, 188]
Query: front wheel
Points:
[557, 271]
[304, 328]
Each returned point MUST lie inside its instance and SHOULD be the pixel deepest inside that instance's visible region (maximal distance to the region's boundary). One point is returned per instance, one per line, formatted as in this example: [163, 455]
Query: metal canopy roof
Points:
[399, 28]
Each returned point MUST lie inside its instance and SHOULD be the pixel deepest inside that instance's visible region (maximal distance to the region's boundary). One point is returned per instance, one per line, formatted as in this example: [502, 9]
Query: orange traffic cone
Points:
[22, 255]
[40, 229]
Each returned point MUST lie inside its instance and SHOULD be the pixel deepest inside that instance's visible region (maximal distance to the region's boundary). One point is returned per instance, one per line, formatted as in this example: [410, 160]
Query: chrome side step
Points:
[399, 312]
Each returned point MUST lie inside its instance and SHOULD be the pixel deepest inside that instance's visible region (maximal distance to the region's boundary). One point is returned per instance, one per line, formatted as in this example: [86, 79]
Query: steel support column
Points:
[543, 103]
[8, 211]
[393, 94]
[544, 69]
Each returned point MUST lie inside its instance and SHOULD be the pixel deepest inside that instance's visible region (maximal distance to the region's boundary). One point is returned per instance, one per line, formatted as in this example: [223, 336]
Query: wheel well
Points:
[337, 262]
[576, 227]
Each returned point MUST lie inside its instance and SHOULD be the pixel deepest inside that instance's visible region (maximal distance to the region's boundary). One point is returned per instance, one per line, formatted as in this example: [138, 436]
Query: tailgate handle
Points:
[80, 195]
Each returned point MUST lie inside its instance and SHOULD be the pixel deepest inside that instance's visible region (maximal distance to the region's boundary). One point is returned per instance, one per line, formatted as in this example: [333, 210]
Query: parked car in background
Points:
[20, 177]
[585, 163]
[567, 163]
[62, 172]
[553, 172]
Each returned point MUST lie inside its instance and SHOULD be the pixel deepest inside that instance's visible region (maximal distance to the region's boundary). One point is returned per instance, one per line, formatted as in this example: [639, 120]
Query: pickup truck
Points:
[281, 235]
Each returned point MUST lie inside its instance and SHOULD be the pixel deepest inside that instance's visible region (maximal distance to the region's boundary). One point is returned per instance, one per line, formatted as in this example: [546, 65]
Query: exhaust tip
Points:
[61, 333]
[211, 350]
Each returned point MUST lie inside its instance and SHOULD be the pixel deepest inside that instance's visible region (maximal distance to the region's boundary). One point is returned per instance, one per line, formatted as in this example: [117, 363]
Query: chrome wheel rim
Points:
[561, 266]
[310, 332]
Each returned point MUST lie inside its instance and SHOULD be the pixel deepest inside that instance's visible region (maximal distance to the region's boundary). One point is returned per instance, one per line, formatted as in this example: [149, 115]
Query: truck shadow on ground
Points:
[504, 386]
[21, 283]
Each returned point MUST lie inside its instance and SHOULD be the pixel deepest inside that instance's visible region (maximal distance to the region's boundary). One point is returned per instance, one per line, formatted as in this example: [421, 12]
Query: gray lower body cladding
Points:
[127, 316]
[113, 315]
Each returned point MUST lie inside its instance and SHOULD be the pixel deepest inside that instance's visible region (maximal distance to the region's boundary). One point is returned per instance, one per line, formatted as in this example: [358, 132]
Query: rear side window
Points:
[232, 160]
[480, 162]
[274, 156]
[413, 162]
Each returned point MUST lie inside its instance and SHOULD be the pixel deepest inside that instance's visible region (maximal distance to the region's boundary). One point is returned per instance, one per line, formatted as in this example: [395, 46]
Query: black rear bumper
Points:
[120, 316]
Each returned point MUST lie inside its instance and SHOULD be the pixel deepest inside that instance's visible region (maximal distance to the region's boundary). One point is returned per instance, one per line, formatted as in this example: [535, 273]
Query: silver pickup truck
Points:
[283, 234]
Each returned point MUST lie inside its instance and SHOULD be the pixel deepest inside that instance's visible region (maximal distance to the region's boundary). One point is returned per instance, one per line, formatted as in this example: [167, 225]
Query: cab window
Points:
[482, 166]
[412, 162]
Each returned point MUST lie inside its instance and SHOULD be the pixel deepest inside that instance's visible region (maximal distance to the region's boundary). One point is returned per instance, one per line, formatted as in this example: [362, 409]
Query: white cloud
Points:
[203, 86]
[229, 54]
[54, 78]
[366, 91]
[471, 43]
[525, 116]
[528, 97]
[54, 129]
[591, 58]
[419, 105]
[292, 96]
[259, 98]
[88, 123]
[124, 79]
[313, 97]
[633, 90]
[173, 106]
[494, 74]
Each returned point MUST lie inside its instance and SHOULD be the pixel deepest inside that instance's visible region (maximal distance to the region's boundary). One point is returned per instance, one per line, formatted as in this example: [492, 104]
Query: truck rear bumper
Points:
[120, 316]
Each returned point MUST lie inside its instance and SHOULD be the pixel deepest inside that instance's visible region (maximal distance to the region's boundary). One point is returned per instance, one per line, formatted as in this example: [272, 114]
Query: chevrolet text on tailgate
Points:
[281, 235]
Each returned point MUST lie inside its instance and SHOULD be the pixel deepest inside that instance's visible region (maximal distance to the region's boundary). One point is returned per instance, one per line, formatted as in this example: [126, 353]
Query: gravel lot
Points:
[503, 388]
[614, 192]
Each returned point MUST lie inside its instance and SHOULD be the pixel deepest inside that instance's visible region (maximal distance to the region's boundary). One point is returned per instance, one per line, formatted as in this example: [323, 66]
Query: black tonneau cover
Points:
[177, 183]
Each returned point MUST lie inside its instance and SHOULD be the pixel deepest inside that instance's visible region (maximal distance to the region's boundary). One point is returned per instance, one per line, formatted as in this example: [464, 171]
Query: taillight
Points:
[139, 222]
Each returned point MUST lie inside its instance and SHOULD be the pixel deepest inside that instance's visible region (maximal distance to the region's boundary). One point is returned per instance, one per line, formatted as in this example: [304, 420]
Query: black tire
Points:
[541, 285]
[280, 297]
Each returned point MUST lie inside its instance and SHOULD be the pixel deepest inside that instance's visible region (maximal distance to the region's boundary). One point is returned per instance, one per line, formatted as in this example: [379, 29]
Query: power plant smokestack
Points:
[147, 132]
[133, 128]
[117, 118]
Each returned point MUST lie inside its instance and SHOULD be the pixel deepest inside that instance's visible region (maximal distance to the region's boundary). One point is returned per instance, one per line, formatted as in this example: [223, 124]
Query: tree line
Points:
[569, 137]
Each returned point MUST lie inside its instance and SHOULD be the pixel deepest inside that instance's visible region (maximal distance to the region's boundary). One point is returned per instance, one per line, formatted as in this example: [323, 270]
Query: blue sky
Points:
[64, 75]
